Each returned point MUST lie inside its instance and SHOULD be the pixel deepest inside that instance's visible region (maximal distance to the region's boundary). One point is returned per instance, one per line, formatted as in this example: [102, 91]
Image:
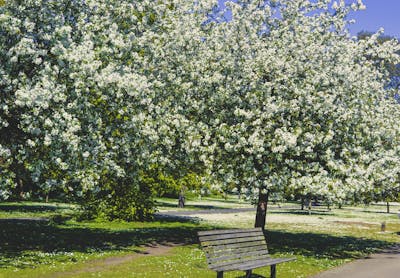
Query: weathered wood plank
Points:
[232, 240]
[241, 261]
[231, 256]
[227, 236]
[216, 254]
[257, 264]
[247, 265]
[233, 246]
[232, 231]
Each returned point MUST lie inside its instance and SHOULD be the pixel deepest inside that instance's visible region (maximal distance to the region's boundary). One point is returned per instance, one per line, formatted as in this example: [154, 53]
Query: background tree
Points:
[79, 110]
[393, 69]
[282, 94]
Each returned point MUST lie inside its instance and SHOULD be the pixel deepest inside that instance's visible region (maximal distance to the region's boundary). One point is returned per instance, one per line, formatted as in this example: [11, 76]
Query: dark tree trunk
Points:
[302, 203]
[261, 210]
[181, 200]
[20, 184]
[309, 205]
[387, 207]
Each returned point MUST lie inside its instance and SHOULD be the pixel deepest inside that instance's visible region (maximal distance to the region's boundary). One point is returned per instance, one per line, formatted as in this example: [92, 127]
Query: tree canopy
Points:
[278, 97]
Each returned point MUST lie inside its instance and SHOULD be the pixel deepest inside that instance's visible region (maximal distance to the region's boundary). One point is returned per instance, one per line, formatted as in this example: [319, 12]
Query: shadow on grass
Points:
[30, 208]
[30, 235]
[321, 245]
[302, 212]
[379, 212]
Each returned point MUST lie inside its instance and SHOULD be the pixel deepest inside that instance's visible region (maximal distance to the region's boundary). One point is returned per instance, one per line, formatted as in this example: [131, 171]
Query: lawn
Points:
[31, 245]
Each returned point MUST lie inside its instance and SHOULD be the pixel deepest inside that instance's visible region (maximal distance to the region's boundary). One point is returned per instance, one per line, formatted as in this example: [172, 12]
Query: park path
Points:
[204, 211]
[385, 264]
[217, 211]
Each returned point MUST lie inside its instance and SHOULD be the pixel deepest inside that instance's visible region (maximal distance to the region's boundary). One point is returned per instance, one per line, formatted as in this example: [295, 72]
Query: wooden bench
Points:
[244, 250]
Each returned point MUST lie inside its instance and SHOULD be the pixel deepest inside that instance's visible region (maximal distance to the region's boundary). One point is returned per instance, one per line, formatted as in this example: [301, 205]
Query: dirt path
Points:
[103, 264]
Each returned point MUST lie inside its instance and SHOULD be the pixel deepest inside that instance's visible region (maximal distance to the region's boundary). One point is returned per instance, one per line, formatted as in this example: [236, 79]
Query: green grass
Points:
[67, 248]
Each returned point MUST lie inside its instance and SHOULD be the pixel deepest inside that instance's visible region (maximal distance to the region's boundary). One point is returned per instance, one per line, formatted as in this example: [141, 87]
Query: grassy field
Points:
[36, 241]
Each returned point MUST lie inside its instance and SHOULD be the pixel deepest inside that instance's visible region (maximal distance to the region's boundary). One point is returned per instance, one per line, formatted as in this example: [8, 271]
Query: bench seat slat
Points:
[259, 250]
[271, 261]
[233, 246]
[239, 261]
[232, 231]
[232, 240]
[228, 236]
[252, 264]
[216, 254]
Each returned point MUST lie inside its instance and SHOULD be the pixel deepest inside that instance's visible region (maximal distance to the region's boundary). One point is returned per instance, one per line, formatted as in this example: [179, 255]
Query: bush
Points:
[125, 201]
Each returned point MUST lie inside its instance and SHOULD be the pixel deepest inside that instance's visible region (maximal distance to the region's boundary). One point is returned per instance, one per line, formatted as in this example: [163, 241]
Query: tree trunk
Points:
[302, 203]
[309, 206]
[20, 188]
[387, 207]
[261, 210]
[181, 200]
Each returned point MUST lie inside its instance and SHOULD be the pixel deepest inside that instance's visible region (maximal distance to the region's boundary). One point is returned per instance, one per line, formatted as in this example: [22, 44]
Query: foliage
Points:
[161, 183]
[79, 108]
[164, 184]
[393, 69]
[279, 97]
[121, 201]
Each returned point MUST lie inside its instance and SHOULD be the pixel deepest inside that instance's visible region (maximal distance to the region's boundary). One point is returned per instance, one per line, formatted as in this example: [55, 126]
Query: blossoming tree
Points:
[78, 110]
[279, 96]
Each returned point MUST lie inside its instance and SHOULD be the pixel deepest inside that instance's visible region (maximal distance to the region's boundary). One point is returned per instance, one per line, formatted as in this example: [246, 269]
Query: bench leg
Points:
[273, 271]
[248, 273]
[220, 274]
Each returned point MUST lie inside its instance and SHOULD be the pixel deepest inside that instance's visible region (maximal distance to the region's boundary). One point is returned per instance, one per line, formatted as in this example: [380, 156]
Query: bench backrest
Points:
[229, 247]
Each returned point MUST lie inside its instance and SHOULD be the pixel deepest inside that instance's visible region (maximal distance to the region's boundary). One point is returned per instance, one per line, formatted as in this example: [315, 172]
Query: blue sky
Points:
[379, 13]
